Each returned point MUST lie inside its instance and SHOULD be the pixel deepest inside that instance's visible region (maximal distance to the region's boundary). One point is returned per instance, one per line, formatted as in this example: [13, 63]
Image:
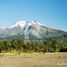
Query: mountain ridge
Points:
[30, 28]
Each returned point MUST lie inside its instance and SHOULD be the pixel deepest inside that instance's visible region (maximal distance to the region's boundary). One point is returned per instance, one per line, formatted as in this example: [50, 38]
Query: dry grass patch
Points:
[33, 60]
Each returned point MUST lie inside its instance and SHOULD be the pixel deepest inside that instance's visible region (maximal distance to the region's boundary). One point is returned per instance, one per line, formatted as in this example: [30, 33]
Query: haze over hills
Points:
[30, 30]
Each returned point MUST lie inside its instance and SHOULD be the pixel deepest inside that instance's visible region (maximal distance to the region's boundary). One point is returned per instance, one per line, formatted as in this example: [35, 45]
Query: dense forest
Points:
[48, 45]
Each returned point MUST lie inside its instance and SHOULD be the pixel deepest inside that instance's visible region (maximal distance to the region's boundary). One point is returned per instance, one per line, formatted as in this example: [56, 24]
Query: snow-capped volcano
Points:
[26, 26]
[29, 30]
[24, 23]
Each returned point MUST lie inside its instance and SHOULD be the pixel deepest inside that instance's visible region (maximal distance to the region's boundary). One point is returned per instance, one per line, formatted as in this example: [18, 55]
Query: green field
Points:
[33, 60]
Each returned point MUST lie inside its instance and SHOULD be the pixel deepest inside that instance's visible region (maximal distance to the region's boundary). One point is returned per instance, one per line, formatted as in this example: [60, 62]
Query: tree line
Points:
[49, 45]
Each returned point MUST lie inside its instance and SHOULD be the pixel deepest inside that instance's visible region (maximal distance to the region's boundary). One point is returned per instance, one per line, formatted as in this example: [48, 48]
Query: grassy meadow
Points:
[58, 59]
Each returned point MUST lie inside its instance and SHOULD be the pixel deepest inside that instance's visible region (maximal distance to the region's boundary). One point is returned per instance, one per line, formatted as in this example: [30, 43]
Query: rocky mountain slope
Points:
[30, 30]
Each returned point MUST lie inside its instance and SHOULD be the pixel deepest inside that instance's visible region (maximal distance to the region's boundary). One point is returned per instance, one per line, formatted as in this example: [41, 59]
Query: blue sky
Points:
[52, 13]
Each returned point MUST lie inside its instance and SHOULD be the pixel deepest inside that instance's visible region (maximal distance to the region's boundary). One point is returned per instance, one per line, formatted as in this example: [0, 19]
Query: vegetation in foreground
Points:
[48, 45]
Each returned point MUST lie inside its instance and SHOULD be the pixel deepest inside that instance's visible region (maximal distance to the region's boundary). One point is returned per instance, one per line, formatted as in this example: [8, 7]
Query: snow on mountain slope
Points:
[34, 22]
[34, 28]
[19, 23]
